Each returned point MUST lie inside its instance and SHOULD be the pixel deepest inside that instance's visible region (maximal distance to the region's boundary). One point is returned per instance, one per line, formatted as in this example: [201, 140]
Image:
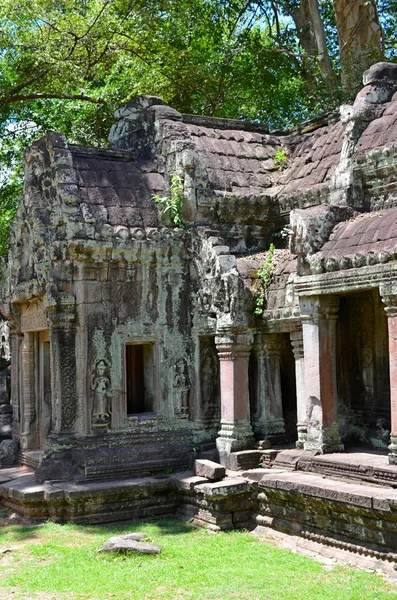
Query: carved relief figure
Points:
[209, 375]
[181, 389]
[100, 386]
[4, 341]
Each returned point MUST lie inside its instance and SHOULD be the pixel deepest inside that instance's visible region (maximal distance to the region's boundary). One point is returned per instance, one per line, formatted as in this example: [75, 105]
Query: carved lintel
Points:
[34, 318]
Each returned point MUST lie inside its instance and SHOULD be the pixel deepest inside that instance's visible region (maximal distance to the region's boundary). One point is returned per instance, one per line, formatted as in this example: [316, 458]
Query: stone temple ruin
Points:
[137, 346]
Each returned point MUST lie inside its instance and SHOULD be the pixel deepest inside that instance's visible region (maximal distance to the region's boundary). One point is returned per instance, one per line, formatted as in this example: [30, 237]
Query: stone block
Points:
[129, 543]
[185, 482]
[243, 460]
[209, 469]
[8, 453]
[224, 488]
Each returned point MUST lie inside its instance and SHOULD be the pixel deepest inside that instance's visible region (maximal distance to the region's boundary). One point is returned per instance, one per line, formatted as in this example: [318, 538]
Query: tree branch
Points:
[47, 96]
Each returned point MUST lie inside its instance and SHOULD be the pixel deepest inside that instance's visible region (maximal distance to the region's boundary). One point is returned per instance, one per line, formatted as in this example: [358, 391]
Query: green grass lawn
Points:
[61, 562]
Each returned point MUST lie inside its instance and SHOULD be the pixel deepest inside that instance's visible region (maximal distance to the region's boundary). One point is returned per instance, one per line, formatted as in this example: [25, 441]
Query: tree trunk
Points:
[319, 33]
[360, 39]
[311, 35]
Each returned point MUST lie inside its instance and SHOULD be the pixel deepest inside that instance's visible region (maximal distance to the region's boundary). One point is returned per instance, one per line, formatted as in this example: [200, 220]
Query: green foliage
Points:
[264, 276]
[281, 159]
[172, 204]
[66, 65]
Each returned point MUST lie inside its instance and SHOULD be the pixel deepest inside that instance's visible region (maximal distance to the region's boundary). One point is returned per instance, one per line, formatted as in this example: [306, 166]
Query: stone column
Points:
[236, 432]
[63, 370]
[28, 417]
[296, 338]
[16, 338]
[268, 421]
[390, 301]
[319, 314]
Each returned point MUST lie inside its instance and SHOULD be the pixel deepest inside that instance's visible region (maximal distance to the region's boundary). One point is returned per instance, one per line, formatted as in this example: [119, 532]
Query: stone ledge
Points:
[224, 488]
[314, 485]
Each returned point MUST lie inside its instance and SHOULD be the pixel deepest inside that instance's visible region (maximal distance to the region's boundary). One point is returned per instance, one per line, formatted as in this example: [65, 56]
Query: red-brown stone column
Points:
[236, 432]
[391, 311]
[296, 338]
[319, 314]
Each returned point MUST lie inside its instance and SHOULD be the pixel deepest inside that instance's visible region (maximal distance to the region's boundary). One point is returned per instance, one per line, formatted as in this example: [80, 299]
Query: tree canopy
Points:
[65, 65]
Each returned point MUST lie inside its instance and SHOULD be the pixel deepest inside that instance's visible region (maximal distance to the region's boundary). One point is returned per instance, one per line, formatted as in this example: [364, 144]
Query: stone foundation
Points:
[343, 514]
[354, 517]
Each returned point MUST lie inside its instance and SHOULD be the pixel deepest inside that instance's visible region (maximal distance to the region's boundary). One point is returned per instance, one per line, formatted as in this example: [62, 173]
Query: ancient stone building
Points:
[135, 344]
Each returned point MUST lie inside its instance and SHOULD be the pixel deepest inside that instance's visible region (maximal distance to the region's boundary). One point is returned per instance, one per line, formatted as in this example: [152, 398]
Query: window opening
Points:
[139, 378]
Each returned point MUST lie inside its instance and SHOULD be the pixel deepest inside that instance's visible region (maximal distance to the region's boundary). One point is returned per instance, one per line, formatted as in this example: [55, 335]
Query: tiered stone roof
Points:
[117, 189]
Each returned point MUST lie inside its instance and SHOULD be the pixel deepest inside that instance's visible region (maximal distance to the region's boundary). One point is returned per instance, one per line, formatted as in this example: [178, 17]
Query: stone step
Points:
[30, 459]
[370, 467]
[331, 511]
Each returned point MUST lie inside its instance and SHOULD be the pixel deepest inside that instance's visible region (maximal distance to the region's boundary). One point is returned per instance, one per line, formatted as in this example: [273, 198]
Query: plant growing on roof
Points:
[264, 276]
[281, 159]
[172, 204]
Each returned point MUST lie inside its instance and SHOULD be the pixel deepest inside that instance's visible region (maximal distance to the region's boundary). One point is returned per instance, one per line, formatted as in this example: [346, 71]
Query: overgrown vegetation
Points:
[66, 65]
[281, 159]
[62, 562]
[172, 205]
[264, 277]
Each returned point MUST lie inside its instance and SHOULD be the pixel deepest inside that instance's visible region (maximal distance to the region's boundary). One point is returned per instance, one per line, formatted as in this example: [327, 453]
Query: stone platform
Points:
[341, 511]
[354, 464]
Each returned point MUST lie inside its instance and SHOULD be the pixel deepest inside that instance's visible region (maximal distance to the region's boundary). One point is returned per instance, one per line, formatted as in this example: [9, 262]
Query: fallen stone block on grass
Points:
[210, 470]
[130, 543]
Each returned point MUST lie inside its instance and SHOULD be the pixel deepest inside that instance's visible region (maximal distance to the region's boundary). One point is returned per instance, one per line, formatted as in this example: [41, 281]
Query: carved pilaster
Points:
[319, 314]
[16, 338]
[296, 338]
[63, 365]
[390, 300]
[236, 432]
[28, 417]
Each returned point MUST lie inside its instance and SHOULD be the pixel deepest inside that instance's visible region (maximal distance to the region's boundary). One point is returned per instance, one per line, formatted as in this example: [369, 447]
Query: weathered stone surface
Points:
[128, 544]
[8, 453]
[209, 469]
[108, 302]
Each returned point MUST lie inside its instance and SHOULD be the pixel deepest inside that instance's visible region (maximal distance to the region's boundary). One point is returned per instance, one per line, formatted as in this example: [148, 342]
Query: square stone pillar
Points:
[296, 338]
[236, 433]
[390, 301]
[268, 421]
[319, 314]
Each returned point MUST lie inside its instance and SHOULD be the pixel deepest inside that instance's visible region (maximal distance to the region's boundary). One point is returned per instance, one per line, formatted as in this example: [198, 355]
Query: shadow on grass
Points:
[21, 533]
[167, 526]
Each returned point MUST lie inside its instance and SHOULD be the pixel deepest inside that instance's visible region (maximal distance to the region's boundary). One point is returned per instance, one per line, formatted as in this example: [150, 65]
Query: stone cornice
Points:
[337, 282]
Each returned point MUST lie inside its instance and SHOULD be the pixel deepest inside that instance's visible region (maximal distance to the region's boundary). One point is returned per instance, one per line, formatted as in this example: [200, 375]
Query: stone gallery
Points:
[263, 312]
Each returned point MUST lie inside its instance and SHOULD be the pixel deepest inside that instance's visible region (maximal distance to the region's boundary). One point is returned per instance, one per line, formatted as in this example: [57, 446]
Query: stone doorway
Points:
[362, 361]
[272, 387]
[288, 389]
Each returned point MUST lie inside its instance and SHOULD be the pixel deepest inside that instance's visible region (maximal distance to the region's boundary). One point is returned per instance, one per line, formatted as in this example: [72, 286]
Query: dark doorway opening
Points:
[139, 378]
[363, 370]
[288, 389]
